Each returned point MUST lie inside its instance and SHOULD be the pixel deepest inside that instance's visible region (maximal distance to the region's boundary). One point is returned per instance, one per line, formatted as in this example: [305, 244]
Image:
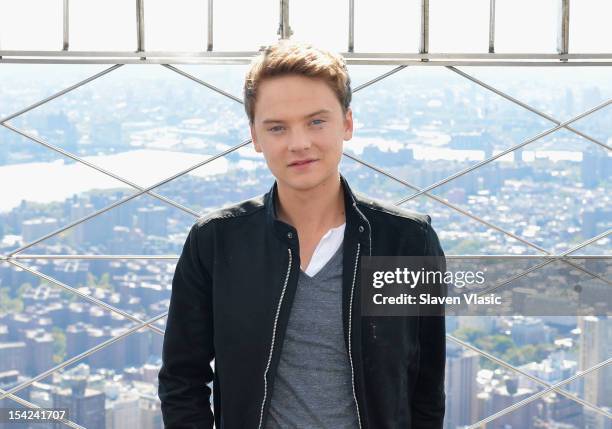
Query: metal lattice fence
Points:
[401, 61]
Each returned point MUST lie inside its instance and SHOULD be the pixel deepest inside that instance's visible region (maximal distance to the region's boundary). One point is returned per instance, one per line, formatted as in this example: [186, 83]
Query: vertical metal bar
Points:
[284, 31]
[492, 26]
[209, 46]
[424, 48]
[563, 35]
[351, 41]
[66, 26]
[140, 26]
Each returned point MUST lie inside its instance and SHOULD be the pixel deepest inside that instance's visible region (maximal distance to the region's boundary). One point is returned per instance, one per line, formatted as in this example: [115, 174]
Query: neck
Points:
[317, 209]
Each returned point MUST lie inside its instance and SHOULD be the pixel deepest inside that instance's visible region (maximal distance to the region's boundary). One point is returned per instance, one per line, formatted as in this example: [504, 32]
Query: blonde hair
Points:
[288, 57]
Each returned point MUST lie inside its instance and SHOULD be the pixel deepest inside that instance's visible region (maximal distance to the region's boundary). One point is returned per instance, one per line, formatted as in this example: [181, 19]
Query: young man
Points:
[270, 287]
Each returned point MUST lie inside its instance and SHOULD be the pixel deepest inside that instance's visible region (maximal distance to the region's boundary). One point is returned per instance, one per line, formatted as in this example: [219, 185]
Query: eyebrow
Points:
[318, 112]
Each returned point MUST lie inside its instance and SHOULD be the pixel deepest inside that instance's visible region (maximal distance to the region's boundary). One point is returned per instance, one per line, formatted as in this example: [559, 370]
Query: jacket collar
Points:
[357, 224]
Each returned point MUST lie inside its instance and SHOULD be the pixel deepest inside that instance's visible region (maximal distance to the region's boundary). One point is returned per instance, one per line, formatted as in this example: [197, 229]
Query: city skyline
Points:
[542, 200]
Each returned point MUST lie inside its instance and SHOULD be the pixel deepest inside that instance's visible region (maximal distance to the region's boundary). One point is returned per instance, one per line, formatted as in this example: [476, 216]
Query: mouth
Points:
[302, 162]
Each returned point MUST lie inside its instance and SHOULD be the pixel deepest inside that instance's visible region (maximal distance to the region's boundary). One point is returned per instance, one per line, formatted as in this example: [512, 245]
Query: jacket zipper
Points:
[280, 301]
[349, 339]
[263, 403]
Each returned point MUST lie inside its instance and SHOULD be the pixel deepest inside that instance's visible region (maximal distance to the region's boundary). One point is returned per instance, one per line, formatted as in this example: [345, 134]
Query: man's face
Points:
[299, 118]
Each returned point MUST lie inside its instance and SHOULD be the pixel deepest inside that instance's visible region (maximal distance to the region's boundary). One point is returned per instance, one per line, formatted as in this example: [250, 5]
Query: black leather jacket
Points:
[232, 293]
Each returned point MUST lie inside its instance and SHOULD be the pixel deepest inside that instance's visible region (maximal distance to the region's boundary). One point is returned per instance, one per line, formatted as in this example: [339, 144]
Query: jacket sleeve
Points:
[428, 403]
[188, 344]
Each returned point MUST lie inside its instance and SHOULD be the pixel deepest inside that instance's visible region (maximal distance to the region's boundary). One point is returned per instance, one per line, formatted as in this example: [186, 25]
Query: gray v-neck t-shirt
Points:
[312, 387]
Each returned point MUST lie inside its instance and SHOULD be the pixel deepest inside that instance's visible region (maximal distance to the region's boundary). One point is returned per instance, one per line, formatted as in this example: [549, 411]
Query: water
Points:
[45, 182]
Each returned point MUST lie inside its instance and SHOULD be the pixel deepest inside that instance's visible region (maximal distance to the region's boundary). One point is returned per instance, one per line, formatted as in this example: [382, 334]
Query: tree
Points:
[23, 289]
[469, 334]
[8, 304]
[59, 345]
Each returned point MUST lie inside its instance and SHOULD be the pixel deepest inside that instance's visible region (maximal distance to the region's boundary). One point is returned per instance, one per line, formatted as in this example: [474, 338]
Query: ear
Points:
[254, 138]
[348, 124]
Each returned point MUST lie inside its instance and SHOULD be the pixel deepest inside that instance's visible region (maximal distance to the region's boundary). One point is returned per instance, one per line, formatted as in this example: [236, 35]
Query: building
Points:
[85, 405]
[461, 386]
[596, 347]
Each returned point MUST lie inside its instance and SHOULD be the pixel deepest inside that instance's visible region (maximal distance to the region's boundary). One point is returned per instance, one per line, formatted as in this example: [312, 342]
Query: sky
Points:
[380, 25]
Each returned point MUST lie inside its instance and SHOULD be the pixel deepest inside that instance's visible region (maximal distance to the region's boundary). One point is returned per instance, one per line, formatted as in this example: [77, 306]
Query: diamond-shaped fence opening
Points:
[576, 393]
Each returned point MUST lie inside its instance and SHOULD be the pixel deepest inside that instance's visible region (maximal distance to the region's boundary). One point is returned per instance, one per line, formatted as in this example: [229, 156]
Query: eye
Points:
[275, 128]
[321, 121]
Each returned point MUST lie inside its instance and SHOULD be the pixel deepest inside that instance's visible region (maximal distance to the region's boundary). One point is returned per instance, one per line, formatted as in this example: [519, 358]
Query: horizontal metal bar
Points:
[131, 54]
[89, 256]
[560, 257]
[170, 257]
[365, 62]
[475, 56]
[212, 61]
[247, 55]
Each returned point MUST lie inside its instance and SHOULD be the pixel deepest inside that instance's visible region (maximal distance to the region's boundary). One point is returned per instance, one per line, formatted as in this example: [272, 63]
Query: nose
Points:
[298, 140]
